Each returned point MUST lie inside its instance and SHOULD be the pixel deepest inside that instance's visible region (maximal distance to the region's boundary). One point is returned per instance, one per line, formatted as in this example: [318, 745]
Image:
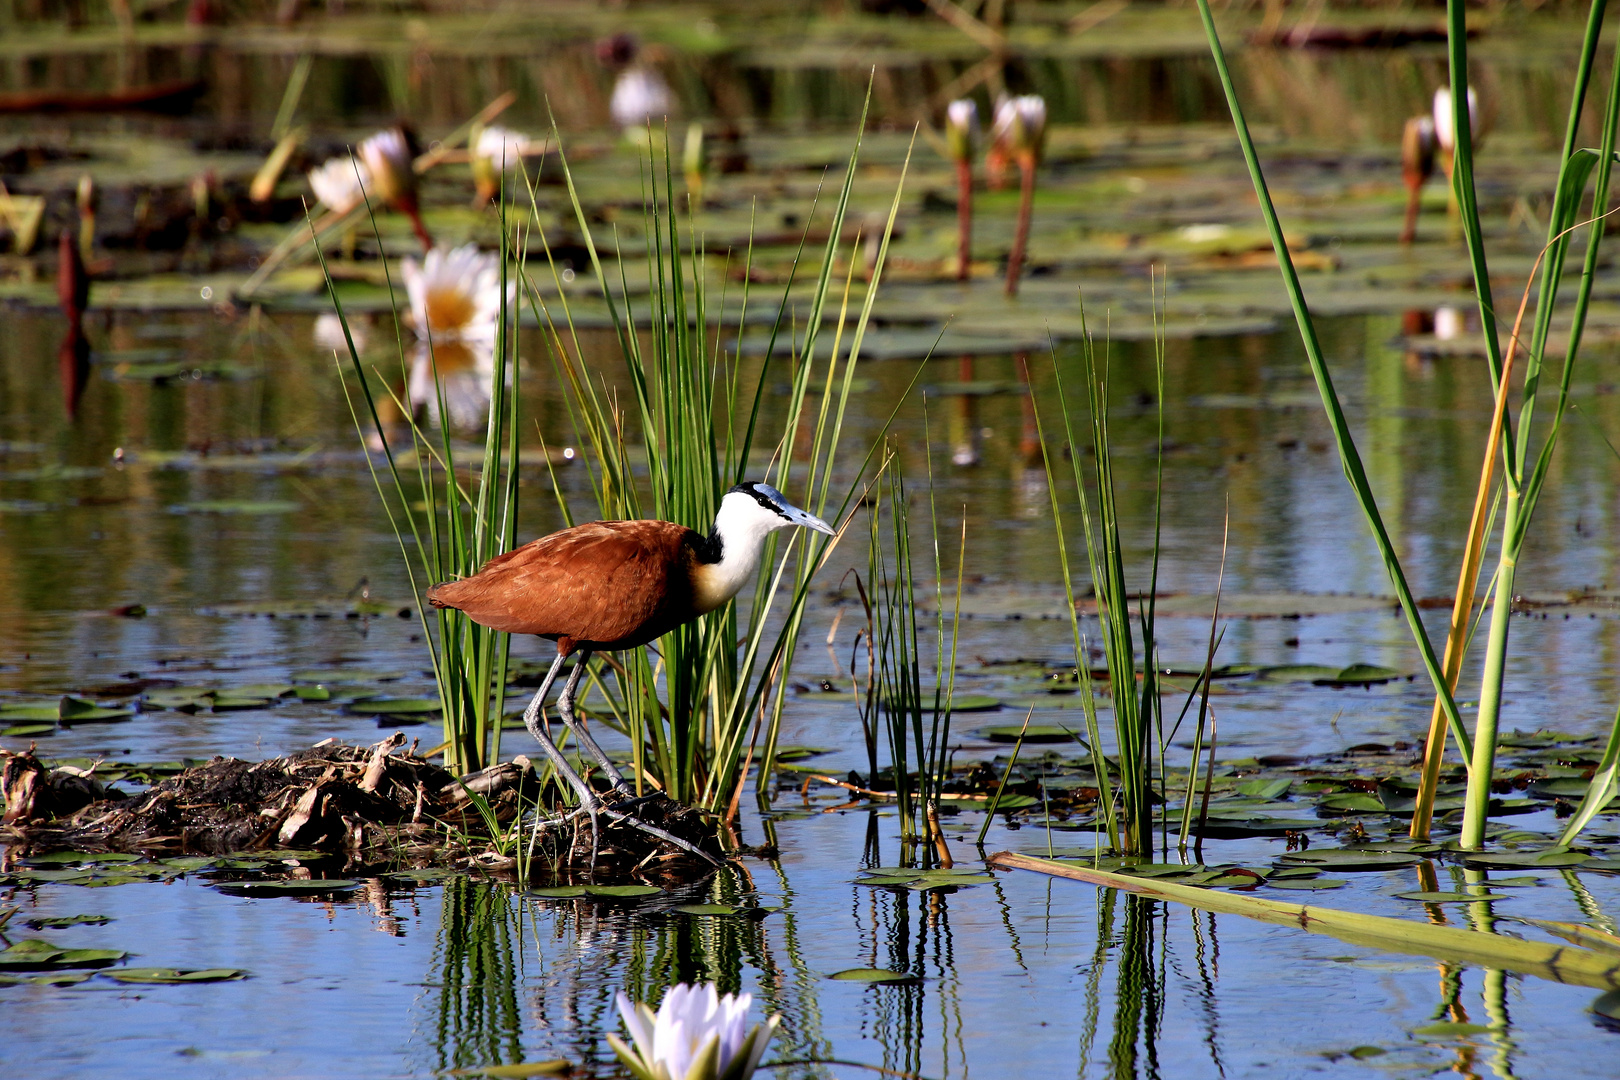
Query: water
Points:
[230, 497]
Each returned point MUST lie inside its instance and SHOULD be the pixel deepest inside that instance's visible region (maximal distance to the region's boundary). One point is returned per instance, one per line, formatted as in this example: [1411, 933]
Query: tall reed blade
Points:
[1349, 456]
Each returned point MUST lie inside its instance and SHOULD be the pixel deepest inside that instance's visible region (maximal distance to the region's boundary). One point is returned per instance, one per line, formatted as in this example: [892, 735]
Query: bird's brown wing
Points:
[607, 583]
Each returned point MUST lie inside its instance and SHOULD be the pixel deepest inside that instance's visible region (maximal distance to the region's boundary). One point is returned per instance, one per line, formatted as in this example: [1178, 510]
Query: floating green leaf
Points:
[1553, 859]
[59, 978]
[1449, 897]
[1450, 1030]
[723, 910]
[622, 892]
[236, 506]
[1305, 883]
[385, 706]
[874, 976]
[1036, 733]
[345, 675]
[290, 887]
[176, 975]
[28, 731]
[57, 922]
[517, 1071]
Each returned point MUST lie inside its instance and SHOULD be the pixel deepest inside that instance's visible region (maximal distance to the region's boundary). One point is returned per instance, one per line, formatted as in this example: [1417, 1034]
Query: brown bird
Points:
[615, 585]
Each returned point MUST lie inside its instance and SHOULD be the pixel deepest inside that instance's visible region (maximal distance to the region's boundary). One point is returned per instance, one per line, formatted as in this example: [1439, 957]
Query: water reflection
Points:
[477, 1019]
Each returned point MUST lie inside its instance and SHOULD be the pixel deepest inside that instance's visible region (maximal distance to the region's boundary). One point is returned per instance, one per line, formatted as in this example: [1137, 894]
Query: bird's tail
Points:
[440, 596]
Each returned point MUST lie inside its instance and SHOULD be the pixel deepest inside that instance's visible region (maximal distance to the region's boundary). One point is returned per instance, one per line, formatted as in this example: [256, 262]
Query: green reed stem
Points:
[1349, 457]
[1522, 494]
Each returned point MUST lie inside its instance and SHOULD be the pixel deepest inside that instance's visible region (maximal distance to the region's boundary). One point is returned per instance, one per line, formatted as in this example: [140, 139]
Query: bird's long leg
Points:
[589, 802]
[531, 720]
[565, 709]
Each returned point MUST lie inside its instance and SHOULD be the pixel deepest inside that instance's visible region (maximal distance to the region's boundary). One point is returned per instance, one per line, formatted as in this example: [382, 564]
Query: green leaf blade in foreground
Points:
[1349, 456]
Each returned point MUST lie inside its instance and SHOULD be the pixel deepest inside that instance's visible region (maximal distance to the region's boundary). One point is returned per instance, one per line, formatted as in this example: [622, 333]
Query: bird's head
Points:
[760, 508]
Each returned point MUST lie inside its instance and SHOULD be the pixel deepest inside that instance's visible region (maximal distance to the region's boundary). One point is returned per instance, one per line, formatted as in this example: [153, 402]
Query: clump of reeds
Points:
[1525, 463]
[708, 705]
[914, 718]
[1134, 689]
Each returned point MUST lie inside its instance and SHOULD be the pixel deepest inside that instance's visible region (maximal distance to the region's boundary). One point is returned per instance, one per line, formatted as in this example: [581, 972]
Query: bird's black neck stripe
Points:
[709, 549]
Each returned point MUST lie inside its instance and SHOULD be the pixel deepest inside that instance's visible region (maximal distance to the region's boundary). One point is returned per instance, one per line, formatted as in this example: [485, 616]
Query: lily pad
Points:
[290, 887]
[622, 892]
[28, 731]
[1450, 1030]
[1347, 859]
[1520, 859]
[555, 1067]
[560, 892]
[57, 978]
[57, 922]
[1351, 802]
[1449, 897]
[1297, 673]
[176, 975]
[236, 506]
[1035, 733]
[1265, 789]
[79, 711]
[384, 706]
[1361, 675]
[1306, 883]
[345, 675]
[35, 954]
[875, 976]
[723, 910]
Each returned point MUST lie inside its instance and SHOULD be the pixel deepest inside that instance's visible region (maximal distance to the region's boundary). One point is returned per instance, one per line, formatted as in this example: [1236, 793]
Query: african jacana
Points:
[615, 585]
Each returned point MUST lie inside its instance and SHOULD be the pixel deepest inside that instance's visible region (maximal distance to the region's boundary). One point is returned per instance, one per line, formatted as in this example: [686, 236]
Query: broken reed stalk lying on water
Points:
[1136, 710]
[694, 423]
[1521, 490]
[1558, 963]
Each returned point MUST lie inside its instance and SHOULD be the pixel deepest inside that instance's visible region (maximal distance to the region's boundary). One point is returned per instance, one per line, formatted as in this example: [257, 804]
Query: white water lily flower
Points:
[455, 294]
[696, 1035]
[341, 183]
[641, 95]
[1444, 133]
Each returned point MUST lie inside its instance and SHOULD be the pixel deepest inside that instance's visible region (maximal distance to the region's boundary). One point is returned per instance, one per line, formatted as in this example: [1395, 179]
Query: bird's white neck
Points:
[740, 529]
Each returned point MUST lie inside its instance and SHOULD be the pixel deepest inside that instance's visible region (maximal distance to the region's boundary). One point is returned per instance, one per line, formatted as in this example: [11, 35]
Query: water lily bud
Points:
[1028, 131]
[1443, 131]
[1417, 149]
[961, 128]
[388, 156]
